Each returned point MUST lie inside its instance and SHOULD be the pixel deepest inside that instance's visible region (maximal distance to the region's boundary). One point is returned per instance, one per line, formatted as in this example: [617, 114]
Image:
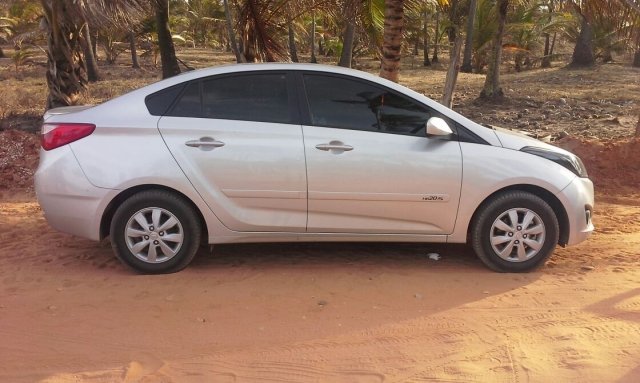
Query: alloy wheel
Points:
[154, 235]
[517, 235]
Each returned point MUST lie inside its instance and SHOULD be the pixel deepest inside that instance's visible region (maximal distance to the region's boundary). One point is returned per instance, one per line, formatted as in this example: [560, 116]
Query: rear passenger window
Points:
[190, 104]
[245, 97]
[252, 97]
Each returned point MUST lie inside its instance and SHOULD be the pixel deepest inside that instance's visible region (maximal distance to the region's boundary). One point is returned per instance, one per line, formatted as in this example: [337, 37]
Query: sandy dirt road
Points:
[70, 312]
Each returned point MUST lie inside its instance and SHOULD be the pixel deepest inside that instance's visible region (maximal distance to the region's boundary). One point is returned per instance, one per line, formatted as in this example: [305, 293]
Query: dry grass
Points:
[596, 103]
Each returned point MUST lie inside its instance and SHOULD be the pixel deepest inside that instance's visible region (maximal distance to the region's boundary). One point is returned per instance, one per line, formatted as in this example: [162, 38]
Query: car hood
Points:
[516, 140]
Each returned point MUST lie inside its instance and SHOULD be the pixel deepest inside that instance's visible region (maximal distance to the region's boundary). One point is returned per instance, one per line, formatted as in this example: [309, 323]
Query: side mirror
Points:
[437, 127]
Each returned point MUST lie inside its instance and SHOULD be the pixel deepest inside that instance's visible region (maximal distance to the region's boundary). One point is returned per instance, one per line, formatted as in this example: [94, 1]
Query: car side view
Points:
[302, 152]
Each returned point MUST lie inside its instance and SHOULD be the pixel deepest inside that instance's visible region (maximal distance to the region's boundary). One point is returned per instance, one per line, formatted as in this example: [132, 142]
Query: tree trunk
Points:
[93, 73]
[492, 87]
[313, 37]
[293, 51]
[132, 48]
[638, 126]
[546, 58]
[425, 41]
[468, 45]
[66, 74]
[452, 73]
[195, 33]
[321, 50]
[232, 35]
[517, 62]
[583, 51]
[392, 39]
[636, 56]
[2, 53]
[548, 48]
[434, 59]
[347, 45]
[168, 58]
[94, 45]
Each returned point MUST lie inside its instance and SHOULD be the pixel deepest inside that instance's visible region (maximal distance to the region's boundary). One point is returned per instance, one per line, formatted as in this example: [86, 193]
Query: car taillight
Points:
[56, 135]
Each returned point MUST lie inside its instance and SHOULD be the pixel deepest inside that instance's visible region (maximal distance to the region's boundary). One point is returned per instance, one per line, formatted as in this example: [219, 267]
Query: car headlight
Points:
[571, 162]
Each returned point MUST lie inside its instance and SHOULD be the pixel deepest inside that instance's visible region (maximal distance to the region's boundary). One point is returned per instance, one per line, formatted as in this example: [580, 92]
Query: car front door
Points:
[370, 166]
[239, 142]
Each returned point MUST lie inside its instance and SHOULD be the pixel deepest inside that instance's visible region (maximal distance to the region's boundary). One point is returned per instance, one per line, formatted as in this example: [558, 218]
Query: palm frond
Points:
[260, 31]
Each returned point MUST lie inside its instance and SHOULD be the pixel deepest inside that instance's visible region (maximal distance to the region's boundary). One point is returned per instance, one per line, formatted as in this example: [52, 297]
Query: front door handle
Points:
[206, 143]
[334, 145]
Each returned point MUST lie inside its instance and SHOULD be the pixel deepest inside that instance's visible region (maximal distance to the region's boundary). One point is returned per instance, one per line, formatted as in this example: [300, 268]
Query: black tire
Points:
[521, 202]
[169, 205]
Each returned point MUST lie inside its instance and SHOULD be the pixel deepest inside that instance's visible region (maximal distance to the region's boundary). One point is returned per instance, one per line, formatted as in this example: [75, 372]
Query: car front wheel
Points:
[516, 231]
[155, 232]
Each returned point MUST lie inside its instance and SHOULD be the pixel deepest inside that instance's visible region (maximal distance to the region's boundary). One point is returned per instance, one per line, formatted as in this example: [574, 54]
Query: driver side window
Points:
[350, 104]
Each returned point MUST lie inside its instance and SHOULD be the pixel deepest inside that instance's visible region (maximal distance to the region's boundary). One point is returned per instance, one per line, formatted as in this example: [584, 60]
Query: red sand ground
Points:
[70, 312]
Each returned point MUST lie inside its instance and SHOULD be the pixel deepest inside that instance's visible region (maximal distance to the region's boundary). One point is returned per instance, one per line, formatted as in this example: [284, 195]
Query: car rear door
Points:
[370, 166]
[239, 142]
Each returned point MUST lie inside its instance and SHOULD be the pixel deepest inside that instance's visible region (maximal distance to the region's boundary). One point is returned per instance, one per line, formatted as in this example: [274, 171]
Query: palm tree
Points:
[360, 17]
[260, 30]
[468, 45]
[524, 30]
[392, 43]
[312, 43]
[293, 50]
[93, 74]
[548, 49]
[484, 32]
[436, 39]
[232, 34]
[349, 11]
[132, 47]
[492, 89]
[606, 25]
[168, 57]
[583, 50]
[636, 56]
[425, 39]
[66, 71]
[6, 30]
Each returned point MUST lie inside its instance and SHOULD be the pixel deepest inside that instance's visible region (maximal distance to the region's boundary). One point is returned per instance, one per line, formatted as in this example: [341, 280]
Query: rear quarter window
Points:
[159, 102]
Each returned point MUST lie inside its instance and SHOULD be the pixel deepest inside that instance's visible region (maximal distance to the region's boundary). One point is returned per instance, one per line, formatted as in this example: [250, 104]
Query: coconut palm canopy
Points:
[340, 30]
[66, 74]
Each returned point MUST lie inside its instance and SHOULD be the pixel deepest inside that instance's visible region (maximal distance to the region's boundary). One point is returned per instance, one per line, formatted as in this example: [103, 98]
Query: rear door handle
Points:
[334, 145]
[205, 143]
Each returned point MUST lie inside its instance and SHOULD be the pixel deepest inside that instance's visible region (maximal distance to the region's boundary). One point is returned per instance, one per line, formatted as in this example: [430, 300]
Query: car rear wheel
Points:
[155, 232]
[515, 231]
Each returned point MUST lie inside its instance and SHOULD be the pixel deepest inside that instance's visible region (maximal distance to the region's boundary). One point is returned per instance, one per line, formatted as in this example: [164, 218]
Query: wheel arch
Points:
[107, 216]
[547, 196]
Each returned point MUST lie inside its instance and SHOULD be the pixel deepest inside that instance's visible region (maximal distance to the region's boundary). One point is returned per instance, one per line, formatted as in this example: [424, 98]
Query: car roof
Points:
[252, 67]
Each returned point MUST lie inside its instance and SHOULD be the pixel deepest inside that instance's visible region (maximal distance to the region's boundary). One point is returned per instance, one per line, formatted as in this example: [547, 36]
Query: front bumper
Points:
[70, 203]
[577, 199]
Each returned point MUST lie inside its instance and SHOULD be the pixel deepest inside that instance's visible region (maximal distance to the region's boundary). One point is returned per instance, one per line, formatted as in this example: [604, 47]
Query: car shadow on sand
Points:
[338, 253]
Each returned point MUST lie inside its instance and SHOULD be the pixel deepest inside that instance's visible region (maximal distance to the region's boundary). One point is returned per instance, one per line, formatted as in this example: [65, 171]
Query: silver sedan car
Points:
[302, 152]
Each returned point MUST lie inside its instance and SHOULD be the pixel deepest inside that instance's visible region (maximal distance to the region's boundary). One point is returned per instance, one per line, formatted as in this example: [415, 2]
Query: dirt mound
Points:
[611, 164]
[18, 159]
